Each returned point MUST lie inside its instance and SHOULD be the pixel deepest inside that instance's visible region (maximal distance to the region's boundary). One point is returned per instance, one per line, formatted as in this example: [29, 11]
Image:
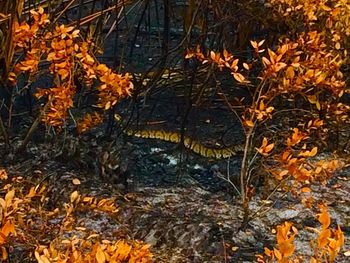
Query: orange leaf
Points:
[264, 148]
[266, 61]
[306, 190]
[31, 193]
[9, 196]
[290, 72]
[318, 105]
[249, 123]
[322, 240]
[108, 105]
[261, 105]
[313, 152]
[321, 78]
[239, 77]
[269, 147]
[261, 42]
[286, 248]
[272, 55]
[286, 155]
[3, 174]
[4, 255]
[100, 255]
[234, 64]
[254, 44]
[212, 55]
[268, 252]
[74, 196]
[277, 253]
[76, 181]
[246, 66]
[8, 228]
[323, 217]
[279, 66]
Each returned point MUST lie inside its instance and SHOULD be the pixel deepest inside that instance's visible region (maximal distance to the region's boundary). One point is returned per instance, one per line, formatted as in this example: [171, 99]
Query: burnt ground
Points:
[173, 199]
[197, 219]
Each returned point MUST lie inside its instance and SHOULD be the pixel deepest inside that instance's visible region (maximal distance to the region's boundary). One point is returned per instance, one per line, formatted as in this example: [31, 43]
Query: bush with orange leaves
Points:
[15, 207]
[305, 68]
[69, 58]
[22, 214]
[326, 247]
[296, 161]
[7, 227]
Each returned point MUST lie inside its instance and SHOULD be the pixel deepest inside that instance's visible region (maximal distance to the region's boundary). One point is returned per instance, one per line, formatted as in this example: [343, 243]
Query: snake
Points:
[189, 143]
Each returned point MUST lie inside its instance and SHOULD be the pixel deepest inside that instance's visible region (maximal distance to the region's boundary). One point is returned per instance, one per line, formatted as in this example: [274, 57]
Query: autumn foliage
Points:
[77, 250]
[69, 58]
[325, 247]
[305, 68]
[22, 215]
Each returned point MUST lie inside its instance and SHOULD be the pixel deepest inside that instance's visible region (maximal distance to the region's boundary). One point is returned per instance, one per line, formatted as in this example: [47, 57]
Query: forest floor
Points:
[186, 215]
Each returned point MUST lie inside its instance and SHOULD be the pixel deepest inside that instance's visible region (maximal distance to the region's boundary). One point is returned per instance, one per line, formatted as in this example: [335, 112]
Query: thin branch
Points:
[33, 128]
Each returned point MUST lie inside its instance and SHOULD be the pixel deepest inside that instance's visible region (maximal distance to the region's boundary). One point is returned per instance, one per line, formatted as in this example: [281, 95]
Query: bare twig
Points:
[4, 133]
[33, 127]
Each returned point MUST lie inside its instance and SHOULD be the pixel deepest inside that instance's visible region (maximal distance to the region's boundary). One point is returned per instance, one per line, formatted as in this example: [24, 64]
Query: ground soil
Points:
[175, 201]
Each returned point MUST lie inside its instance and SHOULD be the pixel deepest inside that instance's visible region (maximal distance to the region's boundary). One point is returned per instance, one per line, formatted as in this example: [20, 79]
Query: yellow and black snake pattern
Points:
[195, 146]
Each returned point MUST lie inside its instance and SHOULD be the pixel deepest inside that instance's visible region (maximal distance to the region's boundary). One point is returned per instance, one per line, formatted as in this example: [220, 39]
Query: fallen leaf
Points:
[100, 256]
[76, 181]
[74, 196]
[306, 190]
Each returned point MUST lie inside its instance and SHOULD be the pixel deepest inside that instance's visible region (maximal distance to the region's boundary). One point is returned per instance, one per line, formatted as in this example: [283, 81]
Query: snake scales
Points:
[189, 143]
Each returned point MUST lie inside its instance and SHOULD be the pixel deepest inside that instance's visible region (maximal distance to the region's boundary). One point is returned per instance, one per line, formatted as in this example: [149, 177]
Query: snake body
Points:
[195, 146]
